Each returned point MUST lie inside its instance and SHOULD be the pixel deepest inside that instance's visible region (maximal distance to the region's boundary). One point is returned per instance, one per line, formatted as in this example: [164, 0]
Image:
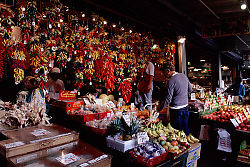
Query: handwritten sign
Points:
[245, 113]
[67, 159]
[193, 96]
[234, 122]
[15, 144]
[97, 159]
[132, 106]
[40, 132]
[126, 119]
[248, 111]
[142, 137]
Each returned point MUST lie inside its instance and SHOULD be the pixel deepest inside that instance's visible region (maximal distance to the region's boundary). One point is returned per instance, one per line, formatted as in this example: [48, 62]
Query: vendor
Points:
[55, 85]
[178, 87]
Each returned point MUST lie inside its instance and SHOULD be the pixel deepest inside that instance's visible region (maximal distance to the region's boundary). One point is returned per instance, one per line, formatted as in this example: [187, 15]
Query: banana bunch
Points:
[191, 139]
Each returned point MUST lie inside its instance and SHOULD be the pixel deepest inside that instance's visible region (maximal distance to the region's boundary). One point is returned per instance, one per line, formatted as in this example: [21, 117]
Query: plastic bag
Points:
[224, 143]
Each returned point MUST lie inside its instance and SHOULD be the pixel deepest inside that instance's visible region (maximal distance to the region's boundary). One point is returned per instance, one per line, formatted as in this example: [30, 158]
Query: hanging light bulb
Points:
[130, 31]
[122, 29]
[83, 15]
[23, 9]
[114, 25]
[105, 22]
[243, 5]
[61, 20]
[93, 19]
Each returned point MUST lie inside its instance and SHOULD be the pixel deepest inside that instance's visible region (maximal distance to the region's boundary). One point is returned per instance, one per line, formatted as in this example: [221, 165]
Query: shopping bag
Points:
[204, 133]
[224, 143]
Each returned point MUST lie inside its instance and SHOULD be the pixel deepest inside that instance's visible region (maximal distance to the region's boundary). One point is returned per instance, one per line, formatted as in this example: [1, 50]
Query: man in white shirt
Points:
[146, 98]
[55, 85]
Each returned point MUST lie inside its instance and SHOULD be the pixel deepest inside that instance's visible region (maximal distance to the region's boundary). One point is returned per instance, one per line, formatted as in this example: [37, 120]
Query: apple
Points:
[245, 129]
[242, 125]
[239, 128]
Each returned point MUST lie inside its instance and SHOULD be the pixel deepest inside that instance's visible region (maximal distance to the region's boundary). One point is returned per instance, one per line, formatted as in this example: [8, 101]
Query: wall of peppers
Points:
[96, 50]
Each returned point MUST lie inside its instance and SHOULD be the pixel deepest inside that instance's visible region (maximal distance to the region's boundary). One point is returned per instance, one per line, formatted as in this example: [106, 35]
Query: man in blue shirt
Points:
[178, 87]
[237, 89]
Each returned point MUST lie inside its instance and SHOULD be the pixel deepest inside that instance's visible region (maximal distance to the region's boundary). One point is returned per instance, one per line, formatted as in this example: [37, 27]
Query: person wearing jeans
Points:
[178, 87]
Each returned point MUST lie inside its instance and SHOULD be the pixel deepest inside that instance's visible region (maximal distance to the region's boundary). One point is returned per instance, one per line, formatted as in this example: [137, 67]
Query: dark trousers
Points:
[179, 119]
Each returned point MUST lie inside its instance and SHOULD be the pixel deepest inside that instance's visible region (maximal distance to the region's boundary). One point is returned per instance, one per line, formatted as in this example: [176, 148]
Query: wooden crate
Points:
[81, 154]
[25, 140]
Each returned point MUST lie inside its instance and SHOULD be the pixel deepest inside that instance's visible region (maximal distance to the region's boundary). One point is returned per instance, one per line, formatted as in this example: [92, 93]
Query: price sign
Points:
[193, 96]
[40, 132]
[238, 120]
[15, 144]
[240, 117]
[202, 93]
[234, 122]
[132, 106]
[142, 137]
[229, 100]
[67, 159]
[110, 104]
[248, 111]
[245, 113]
[126, 118]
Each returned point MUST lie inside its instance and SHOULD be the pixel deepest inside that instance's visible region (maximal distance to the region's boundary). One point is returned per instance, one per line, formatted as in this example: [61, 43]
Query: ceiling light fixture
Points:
[202, 60]
[181, 39]
[243, 5]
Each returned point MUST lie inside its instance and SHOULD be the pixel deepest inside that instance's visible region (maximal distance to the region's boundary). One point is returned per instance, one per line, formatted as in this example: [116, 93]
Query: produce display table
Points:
[80, 154]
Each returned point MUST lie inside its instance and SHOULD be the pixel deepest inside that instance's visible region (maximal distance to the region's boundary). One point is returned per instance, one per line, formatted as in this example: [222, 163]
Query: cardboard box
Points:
[67, 95]
[193, 155]
[30, 139]
[121, 145]
[81, 155]
[69, 105]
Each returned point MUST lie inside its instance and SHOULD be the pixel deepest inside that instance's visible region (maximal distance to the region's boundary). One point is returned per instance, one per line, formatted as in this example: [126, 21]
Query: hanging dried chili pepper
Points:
[126, 89]
[109, 77]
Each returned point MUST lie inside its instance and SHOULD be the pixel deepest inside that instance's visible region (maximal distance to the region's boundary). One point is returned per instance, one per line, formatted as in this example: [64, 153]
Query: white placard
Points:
[132, 106]
[108, 114]
[110, 104]
[142, 137]
[193, 96]
[40, 132]
[229, 99]
[15, 144]
[235, 123]
[84, 164]
[245, 113]
[26, 158]
[126, 118]
[202, 93]
[68, 158]
[248, 111]
[240, 117]
[97, 159]
[98, 102]
[238, 120]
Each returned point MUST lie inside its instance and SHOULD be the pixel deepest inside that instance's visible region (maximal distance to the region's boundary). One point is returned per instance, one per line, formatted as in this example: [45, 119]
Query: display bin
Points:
[30, 139]
[77, 155]
[90, 117]
[120, 145]
[174, 155]
[193, 154]
[103, 115]
[97, 130]
[148, 162]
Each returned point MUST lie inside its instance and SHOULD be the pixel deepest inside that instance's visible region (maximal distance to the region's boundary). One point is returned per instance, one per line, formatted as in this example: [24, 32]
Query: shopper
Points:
[36, 96]
[145, 86]
[237, 89]
[178, 87]
[55, 85]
